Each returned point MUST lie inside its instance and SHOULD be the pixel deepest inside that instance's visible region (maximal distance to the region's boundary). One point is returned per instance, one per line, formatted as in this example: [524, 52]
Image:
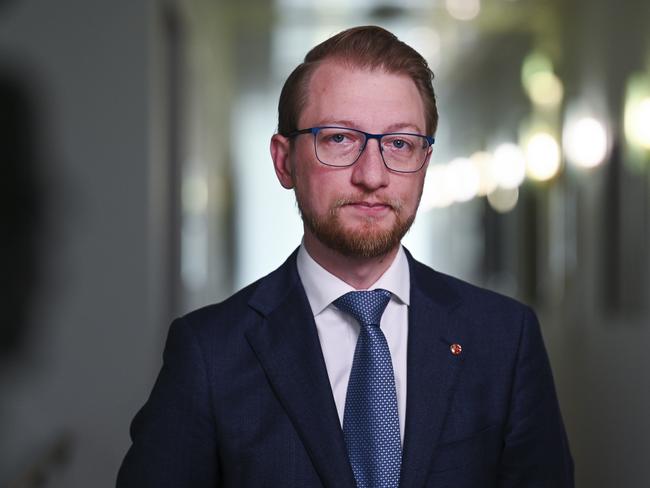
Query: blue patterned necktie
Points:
[370, 420]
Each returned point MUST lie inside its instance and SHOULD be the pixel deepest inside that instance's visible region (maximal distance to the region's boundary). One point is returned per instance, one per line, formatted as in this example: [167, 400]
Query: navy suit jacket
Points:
[243, 398]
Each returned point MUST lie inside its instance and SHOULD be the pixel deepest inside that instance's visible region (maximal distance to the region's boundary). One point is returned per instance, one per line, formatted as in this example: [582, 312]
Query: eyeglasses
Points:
[340, 146]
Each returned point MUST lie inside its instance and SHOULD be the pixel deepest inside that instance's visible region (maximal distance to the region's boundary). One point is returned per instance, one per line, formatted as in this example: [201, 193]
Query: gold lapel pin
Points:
[456, 349]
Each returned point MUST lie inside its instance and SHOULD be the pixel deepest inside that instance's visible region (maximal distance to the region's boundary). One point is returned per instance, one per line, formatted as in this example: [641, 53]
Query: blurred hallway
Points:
[138, 185]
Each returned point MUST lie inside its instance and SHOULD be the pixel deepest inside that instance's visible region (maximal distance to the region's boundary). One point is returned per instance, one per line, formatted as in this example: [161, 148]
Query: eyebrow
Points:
[403, 126]
[396, 127]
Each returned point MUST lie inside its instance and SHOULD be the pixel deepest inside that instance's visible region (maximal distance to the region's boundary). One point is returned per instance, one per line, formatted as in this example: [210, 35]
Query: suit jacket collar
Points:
[432, 370]
[287, 346]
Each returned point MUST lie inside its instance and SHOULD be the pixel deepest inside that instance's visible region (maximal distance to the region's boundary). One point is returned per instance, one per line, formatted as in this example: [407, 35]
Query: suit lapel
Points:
[287, 347]
[432, 370]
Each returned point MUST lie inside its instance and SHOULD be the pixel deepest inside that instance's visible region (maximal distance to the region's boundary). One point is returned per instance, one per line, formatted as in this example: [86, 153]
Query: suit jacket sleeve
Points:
[536, 451]
[173, 434]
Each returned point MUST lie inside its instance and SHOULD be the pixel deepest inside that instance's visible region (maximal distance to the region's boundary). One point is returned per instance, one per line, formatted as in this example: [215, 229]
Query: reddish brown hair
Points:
[367, 47]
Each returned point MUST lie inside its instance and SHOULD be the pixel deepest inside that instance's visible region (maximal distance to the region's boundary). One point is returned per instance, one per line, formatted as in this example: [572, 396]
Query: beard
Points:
[368, 240]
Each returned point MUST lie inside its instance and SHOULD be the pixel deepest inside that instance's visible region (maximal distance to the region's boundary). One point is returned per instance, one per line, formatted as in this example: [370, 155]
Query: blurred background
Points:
[137, 185]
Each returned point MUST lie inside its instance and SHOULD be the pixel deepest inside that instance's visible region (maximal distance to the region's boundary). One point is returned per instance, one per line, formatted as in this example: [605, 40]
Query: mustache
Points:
[394, 203]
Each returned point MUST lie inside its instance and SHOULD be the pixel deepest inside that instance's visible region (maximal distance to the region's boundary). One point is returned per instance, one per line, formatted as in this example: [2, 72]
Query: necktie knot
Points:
[366, 307]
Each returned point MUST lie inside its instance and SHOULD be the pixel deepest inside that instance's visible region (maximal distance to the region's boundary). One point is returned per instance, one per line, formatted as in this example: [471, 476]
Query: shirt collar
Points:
[322, 287]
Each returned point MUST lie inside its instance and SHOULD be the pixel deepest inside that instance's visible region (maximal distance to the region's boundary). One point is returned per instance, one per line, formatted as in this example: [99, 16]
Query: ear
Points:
[280, 149]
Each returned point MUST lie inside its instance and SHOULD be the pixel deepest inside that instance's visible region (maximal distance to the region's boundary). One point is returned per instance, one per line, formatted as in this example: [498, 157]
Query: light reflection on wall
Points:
[542, 85]
[539, 154]
[463, 9]
[640, 123]
[637, 111]
[503, 200]
[436, 193]
[463, 179]
[509, 165]
[542, 156]
[585, 141]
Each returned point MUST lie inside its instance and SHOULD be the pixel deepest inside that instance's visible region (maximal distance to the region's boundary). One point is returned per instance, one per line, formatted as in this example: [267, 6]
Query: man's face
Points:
[365, 209]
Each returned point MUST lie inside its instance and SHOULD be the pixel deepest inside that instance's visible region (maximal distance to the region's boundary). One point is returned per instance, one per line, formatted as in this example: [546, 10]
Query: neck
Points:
[358, 272]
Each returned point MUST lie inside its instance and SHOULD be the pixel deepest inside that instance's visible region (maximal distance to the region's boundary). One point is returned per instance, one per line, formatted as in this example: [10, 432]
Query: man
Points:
[301, 380]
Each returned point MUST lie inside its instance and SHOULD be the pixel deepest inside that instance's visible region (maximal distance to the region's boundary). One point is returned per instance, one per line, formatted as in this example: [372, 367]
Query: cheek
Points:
[410, 191]
[320, 183]
[322, 195]
[316, 189]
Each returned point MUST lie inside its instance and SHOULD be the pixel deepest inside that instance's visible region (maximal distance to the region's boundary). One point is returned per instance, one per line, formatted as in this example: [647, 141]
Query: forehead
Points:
[371, 100]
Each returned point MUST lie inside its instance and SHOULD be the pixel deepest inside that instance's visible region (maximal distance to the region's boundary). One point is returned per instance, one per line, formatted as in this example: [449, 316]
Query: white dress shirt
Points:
[338, 331]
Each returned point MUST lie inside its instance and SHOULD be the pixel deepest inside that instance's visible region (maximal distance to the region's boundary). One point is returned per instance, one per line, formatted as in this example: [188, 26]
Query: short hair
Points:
[366, 47]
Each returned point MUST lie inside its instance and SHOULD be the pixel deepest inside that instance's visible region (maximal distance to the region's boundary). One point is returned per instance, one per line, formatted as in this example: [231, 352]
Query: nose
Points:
[370, 172]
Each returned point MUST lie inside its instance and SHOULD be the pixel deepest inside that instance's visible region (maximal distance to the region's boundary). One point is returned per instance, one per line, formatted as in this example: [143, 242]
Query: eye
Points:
[338, 137]
[400, 144]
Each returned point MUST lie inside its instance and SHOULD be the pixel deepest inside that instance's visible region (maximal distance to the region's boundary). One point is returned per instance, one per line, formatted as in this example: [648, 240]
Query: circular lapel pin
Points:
[456, 349]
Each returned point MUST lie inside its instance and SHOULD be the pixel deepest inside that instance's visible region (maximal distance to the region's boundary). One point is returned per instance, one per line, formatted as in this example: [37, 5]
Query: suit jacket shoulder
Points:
[449, 289]
[238, 313]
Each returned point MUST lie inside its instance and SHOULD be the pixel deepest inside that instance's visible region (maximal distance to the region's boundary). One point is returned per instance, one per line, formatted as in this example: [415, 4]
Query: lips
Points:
[370, 204]
[369, 209]
[372, 207]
